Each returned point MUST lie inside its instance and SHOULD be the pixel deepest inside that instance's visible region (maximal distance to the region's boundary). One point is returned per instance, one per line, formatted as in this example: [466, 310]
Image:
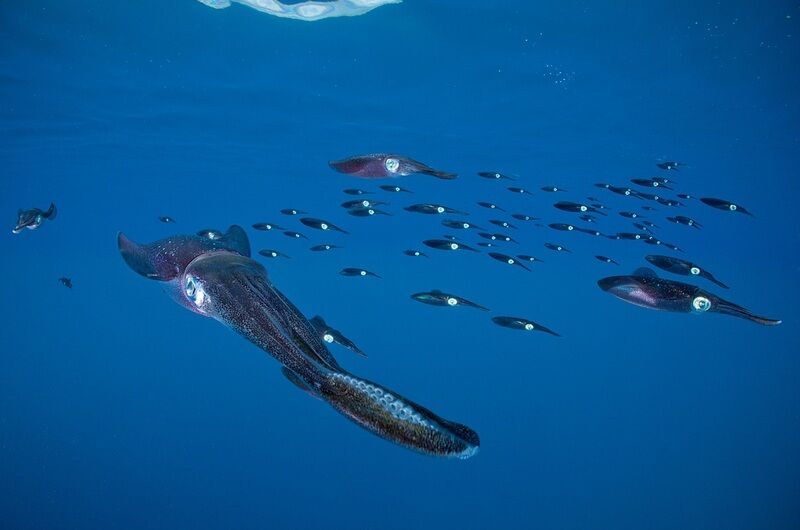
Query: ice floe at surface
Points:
[309, 10]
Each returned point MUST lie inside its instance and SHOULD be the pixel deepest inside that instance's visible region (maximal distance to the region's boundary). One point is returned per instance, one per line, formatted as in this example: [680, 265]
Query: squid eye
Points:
[528, 326]
[695, 271]
[392, 165]
[732, 207]
[327, 338]
[701, 303]
[440, 209]
[452, 301]
[194, 291]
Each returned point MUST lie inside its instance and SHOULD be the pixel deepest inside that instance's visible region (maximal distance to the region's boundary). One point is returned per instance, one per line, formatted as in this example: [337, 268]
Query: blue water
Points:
[120, 409]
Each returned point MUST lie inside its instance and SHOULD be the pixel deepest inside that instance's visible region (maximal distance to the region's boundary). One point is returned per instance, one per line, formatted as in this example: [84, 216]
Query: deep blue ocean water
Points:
[120, 409]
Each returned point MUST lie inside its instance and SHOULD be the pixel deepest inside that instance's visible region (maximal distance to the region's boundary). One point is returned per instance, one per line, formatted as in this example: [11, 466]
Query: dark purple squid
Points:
[644, 289]
[378, 166]
[216, 278]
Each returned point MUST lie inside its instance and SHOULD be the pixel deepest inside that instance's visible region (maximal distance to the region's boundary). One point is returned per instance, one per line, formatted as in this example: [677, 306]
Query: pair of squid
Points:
[217, 278]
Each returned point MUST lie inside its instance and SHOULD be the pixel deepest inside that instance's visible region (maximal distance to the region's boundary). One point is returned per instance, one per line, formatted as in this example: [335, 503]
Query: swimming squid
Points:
[645, 289]
[216, 278]
[378, 166]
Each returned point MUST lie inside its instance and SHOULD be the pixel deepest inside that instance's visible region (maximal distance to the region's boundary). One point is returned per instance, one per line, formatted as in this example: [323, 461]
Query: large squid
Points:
[216, 278]
[380, 166]
[645, 289]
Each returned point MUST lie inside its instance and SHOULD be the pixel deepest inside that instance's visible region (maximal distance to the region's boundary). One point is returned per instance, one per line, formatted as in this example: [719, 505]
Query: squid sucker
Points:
[217, 278]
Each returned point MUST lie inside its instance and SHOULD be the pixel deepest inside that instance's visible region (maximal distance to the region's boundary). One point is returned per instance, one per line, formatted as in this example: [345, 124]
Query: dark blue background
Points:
[119, 409]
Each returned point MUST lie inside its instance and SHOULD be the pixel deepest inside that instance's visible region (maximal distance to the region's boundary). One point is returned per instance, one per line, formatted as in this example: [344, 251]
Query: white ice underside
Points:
[309, 10]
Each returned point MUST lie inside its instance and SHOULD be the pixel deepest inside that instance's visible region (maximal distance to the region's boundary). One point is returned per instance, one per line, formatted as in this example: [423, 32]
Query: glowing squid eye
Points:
[701, 303]
[194, 291]
[465, 225]
[440, 209]
[324, 226]
[695, 271]
[583, 208]
[528, 326]
[510, 261]
[732, 207]
[371, 212]
[570, 227]
[451, 301]
[454, 246]
[327, 338]
[365, 203]
[392, 165]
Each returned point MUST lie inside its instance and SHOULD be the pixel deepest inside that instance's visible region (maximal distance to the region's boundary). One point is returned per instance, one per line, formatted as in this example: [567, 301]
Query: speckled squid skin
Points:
[240, 296]
[668, 295]
[221, 282]
[651, 292]
[396, 418]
